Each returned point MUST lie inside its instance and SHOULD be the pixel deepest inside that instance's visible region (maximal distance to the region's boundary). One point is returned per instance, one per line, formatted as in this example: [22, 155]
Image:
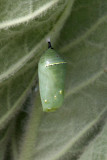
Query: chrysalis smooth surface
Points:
[52, 72]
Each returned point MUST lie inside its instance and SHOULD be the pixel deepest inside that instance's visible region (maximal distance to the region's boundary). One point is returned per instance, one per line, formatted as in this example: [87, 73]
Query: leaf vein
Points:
[84, 36]
[28, 17]
[86, 83]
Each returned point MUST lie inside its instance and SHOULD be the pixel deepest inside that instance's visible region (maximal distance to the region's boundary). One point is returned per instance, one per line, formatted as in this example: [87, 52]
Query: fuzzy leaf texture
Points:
[78, 31]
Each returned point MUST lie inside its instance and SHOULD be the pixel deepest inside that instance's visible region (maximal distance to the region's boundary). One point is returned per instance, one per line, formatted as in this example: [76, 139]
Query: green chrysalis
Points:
[52, 72]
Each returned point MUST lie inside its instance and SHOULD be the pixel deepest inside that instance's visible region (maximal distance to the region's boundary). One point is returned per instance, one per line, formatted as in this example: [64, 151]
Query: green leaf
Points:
[97, 149]
[13, 94]
[4, 140]
[78, 30]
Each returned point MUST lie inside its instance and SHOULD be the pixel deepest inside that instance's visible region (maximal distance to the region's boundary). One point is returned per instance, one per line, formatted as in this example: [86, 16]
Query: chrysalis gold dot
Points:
[60, 91]
[55, 97]
[45, 100]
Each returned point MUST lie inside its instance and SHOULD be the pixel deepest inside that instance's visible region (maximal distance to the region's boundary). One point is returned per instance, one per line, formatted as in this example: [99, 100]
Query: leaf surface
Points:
[78, 30]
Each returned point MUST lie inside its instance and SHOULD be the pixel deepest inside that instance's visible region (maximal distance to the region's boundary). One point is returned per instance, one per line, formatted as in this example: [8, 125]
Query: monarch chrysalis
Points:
[51, 71]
